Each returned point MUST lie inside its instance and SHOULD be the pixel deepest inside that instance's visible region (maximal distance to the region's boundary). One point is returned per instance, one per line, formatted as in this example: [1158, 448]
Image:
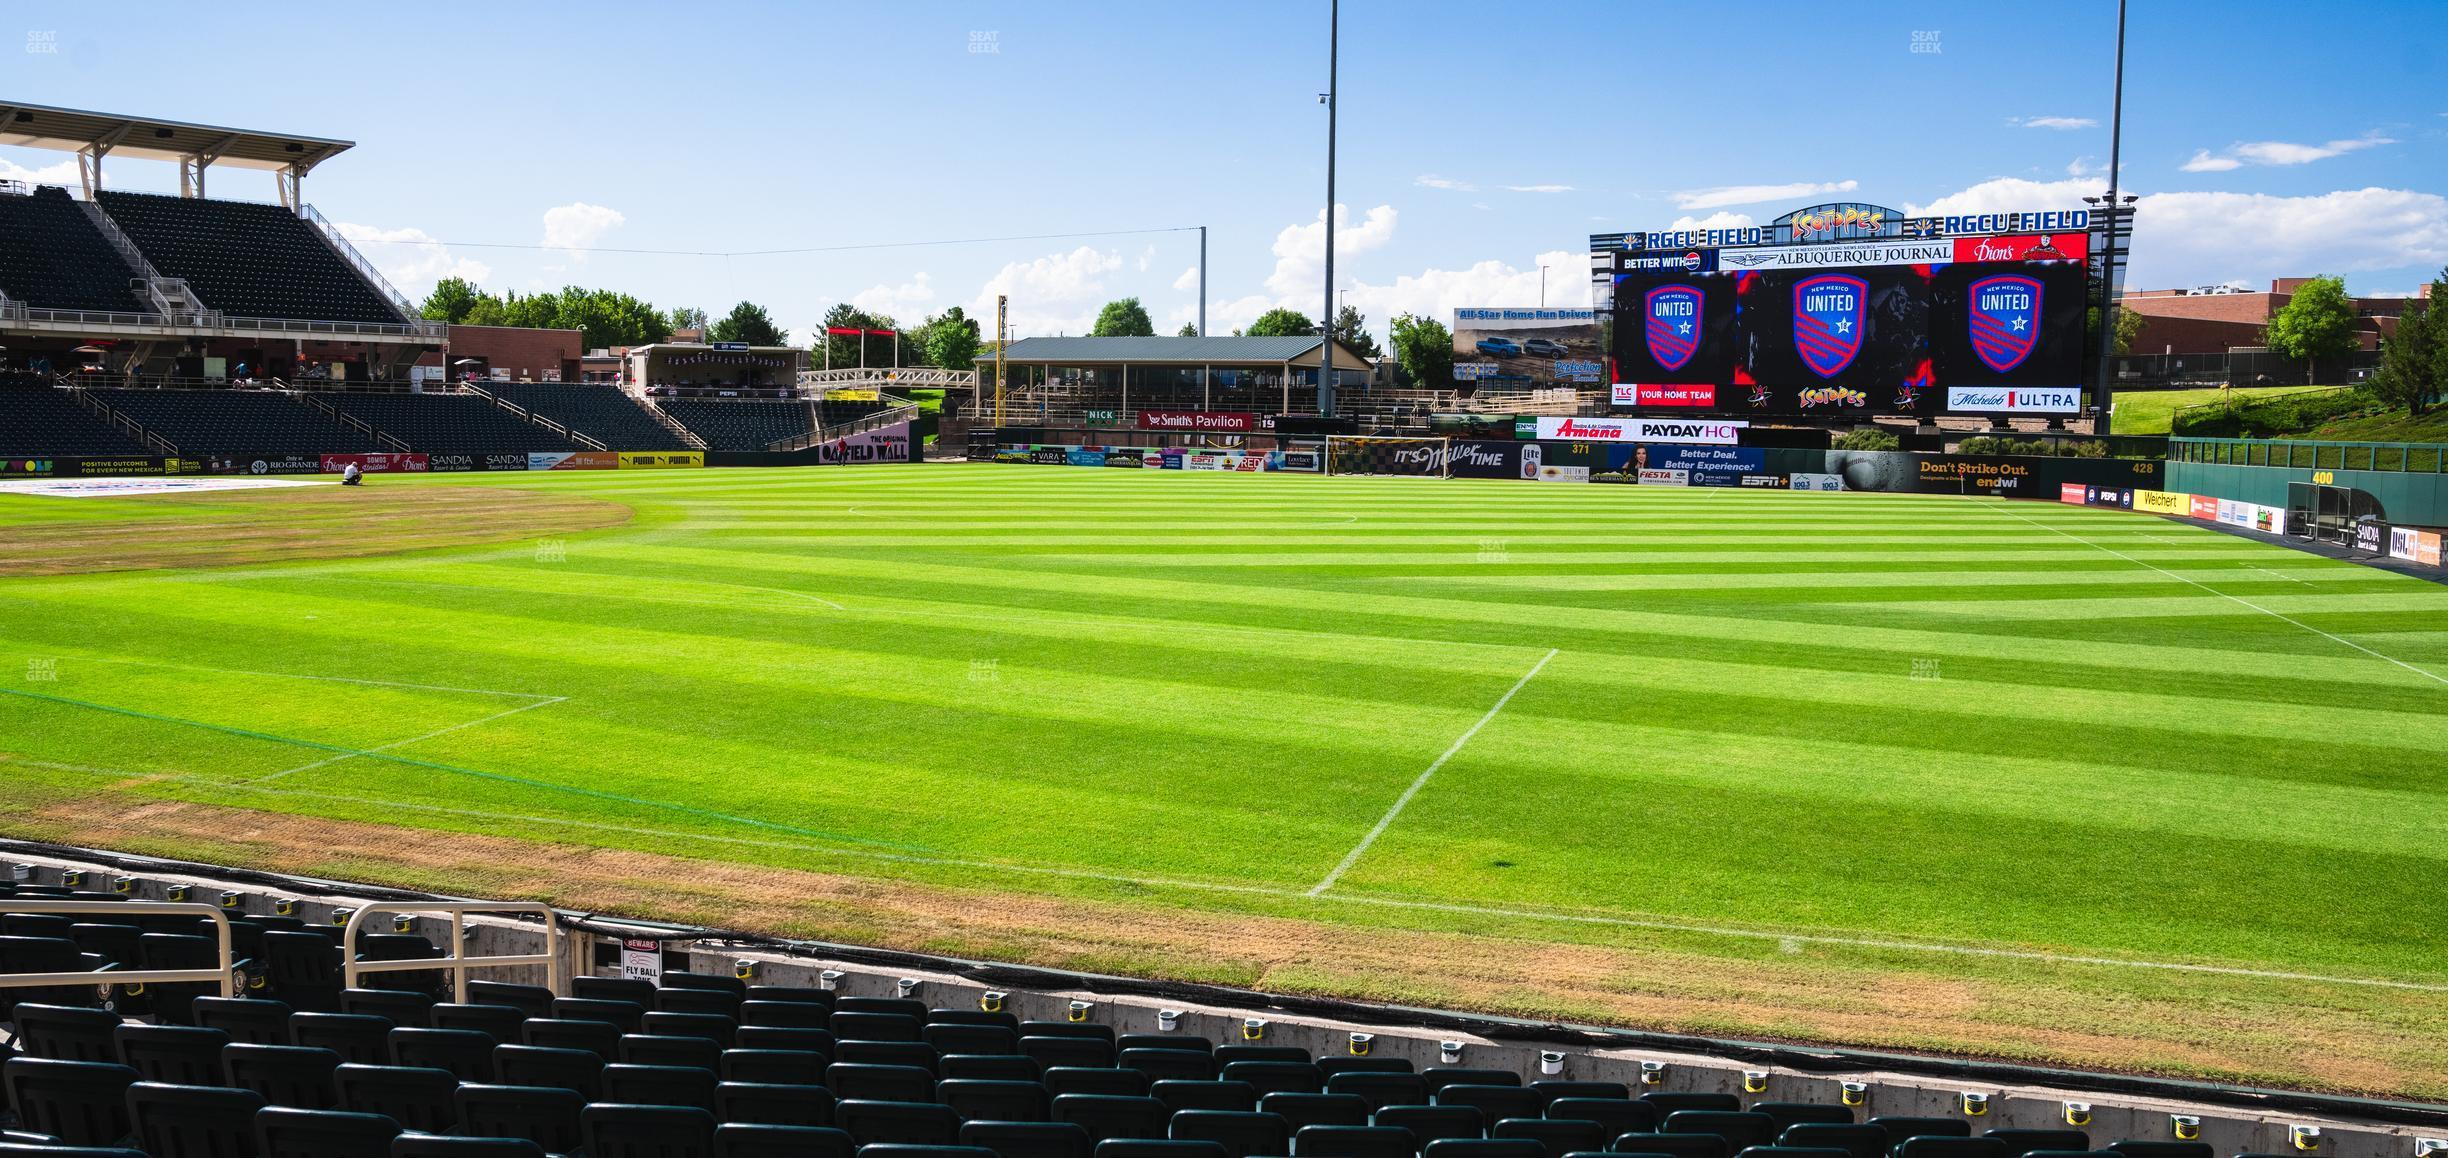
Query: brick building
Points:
[526, 355]
[2213, 321]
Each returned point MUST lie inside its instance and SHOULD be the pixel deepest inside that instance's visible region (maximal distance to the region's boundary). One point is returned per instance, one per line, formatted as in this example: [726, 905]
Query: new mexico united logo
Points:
[1674, 324]
[2005, 320]
[1827, 321]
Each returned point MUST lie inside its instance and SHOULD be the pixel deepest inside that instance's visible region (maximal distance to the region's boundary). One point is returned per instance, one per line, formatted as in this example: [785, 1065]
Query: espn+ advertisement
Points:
[1952, 325]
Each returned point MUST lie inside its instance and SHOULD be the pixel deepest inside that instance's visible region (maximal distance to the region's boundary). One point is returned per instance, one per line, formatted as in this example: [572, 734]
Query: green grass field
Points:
[2002, 778]
[2154, 411]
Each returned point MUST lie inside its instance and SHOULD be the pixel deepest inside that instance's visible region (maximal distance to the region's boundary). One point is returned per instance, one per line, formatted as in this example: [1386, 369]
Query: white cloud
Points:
[1437, 293]
[1188, 281]
[2280, 153]
[1300, 250]
[2186, 238]
[2084, 167]
[411, 258]
[1432, 181]
[578, 225]
[1540, 188]
[904, 302]
[1753, 194]
[63, 173]
[1145, 256]
[2009, 194]
[2054, 122]
[1057, 293]
[1718, 220]
[2198, 238]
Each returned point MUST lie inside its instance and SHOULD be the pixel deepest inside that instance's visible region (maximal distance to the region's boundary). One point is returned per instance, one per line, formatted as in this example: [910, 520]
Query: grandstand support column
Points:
[192, 166]
[89, 158]
[1206, 383]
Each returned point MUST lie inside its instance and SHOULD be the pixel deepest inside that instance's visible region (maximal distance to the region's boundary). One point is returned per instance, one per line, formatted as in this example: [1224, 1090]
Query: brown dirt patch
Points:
[237, 528]
[2268, 1032]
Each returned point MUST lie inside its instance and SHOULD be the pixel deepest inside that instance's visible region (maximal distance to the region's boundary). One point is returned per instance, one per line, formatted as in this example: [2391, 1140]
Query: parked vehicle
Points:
[1499, 347]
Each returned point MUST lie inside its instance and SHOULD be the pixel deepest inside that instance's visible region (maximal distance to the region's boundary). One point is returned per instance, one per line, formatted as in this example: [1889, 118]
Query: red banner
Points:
[1203, 421]
[375, 463]
[2025, 247]
[2073, 493]
[1654, 394]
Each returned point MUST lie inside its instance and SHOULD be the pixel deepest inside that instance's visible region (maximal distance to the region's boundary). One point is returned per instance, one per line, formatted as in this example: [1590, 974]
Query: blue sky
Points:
[518, 142]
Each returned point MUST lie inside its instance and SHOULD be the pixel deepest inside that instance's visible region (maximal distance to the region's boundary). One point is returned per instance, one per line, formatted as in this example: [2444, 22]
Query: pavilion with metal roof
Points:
[196, 148]
[1274, 373]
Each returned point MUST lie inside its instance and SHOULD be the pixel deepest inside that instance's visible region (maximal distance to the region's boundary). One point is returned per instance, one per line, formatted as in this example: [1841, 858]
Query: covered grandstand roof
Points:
[1173, 351]
[46, 127]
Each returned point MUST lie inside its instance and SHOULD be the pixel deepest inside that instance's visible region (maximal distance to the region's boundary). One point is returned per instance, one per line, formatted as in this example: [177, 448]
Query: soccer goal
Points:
[1368, 454]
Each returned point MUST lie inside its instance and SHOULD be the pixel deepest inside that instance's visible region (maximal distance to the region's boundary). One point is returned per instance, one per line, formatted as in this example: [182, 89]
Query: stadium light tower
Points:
[2108, 263]
[1334, 30]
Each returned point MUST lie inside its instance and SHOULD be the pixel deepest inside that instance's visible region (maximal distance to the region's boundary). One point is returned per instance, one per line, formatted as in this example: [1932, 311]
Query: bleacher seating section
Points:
[236, 422]
[51, 256]
[728, 424]
[605, 413]
[706, 1066]
[247, 259]
[449, 423]
[831, 413]
[40, 420]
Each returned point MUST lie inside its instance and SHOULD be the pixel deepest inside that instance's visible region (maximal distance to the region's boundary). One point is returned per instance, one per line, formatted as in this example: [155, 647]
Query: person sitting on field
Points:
[350, 476]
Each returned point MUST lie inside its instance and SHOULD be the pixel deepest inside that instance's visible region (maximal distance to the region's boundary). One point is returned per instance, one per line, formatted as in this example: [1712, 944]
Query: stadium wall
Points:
[2232, 1119]
[2408, 498]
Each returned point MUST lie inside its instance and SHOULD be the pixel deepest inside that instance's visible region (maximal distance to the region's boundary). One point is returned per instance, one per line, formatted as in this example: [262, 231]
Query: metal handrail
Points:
[906, 412]
[458, 962]
[226, 976]
[364, 266]
[433, 331]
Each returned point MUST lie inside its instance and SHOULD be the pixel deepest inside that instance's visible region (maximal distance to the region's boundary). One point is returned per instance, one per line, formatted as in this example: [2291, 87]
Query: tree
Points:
[747, 322]
[450, 301]
[1282, 323]
[1123, 318]
[2318, 322]
[950, 340]
[2128, 329]
[687, 318]
[1351, 329]
[844, 348]
[1423, 347]
[2414, 359]
[1188, 330]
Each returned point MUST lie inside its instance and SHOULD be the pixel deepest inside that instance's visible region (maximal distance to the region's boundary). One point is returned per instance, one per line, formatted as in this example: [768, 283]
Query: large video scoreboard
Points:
[1851, 310]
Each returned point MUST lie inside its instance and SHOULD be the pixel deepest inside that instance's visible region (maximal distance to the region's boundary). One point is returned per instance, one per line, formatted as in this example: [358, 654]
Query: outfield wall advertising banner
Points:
[572, 460]
[2163, 503]
[1636, 430]
[660, 459]
[883, 444]
[1478, 458]
[381, 463]
[439, 463]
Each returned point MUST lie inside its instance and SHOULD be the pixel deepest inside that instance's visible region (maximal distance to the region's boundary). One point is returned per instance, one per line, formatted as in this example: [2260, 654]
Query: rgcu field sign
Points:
[1701, 431]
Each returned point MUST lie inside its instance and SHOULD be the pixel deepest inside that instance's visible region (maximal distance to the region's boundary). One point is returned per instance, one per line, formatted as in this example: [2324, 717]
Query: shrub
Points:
[1867, 438]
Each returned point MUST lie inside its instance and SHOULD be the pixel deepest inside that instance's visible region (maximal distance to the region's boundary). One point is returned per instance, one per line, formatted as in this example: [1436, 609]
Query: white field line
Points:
[1353, 857]
[1596, 919]
[2429, 675]
[543, 703]
[2279, 574]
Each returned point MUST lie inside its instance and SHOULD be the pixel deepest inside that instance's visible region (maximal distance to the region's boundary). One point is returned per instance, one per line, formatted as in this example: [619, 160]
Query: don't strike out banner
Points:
[1853, 331]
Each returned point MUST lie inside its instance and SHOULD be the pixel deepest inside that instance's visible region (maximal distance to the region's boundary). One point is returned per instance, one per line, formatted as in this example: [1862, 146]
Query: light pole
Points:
[1542, 287]
[2106, 392]
[1334, 48]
